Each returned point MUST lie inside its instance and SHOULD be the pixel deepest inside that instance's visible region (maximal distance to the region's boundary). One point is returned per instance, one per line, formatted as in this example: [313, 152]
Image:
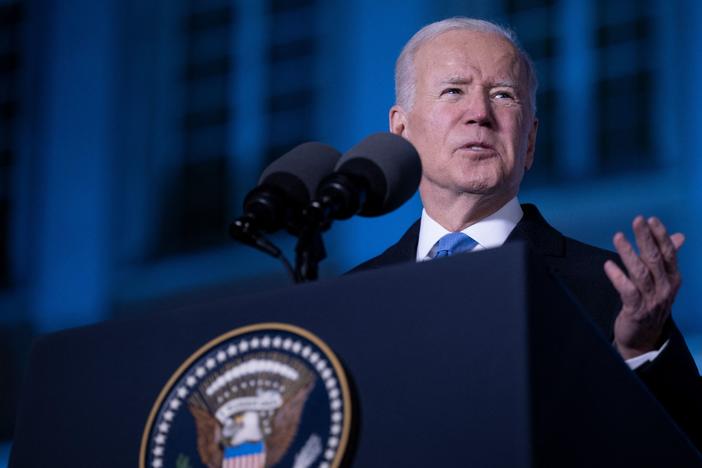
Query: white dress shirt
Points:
[490, 232]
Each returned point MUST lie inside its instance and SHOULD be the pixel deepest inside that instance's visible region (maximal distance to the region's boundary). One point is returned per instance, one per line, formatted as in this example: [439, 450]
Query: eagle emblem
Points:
[249, 415]
[263, 395]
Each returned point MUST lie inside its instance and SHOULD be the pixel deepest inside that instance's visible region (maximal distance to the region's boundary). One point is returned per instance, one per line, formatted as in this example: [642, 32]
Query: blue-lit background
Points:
[130, 131]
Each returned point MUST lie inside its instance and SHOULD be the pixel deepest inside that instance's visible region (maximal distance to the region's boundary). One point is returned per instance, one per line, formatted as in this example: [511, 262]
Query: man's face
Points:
[471, 118]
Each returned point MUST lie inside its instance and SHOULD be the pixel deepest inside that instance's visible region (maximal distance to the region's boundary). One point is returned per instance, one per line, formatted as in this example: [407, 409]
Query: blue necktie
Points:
[453, 243]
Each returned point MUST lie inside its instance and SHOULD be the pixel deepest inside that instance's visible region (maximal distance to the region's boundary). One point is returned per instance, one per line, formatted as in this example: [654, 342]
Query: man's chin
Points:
[490, 186]
[483, 186]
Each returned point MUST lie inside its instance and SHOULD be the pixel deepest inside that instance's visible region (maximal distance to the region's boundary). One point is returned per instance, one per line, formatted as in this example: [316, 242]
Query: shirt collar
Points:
[491, 231]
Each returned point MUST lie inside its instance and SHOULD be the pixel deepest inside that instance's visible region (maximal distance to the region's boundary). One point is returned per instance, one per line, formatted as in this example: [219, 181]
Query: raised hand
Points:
[648, 290]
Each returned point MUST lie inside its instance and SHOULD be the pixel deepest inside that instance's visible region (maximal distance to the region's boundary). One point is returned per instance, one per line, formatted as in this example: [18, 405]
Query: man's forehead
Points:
[469, 42]
[470, 49]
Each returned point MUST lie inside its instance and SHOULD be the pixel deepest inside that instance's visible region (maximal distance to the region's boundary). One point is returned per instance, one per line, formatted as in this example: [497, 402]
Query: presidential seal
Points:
[264, 395]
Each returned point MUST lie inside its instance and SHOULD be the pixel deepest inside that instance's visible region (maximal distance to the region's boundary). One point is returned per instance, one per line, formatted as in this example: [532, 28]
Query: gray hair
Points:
[405, 80]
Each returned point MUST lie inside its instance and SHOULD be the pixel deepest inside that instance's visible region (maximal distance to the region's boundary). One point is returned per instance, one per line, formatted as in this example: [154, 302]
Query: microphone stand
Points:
[340, 196]
[310, 250]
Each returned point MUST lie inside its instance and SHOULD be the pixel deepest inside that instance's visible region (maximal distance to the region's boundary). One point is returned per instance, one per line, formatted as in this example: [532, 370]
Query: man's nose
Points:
[478, 109]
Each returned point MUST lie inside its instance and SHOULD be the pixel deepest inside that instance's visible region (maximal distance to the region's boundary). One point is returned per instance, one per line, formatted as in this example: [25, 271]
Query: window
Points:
[204, 195]
[194, 211]
[595, 85]
[624, 86]
[292, 54]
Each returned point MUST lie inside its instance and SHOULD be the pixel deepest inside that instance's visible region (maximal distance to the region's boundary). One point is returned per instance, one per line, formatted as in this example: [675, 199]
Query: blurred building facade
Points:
[130, 132]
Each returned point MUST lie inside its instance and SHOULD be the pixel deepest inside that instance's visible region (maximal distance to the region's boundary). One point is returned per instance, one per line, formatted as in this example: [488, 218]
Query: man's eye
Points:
[503, 95]
[451, 91]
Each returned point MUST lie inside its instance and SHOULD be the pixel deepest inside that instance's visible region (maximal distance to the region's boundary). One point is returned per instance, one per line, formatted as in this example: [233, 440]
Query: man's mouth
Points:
[480, 149]
[477, 146]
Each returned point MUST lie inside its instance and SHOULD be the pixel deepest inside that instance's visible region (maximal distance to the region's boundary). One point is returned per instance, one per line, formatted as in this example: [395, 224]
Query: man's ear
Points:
[397, 120]
[531, 145]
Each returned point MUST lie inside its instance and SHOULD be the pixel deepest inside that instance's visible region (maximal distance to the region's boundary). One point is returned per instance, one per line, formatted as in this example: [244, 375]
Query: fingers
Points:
[651, 252]
[639, 273]
[668, 244]
[654, 273]
[629, 293]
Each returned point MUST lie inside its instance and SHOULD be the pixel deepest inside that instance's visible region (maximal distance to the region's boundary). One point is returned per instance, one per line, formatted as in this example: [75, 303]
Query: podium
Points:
[477, 360]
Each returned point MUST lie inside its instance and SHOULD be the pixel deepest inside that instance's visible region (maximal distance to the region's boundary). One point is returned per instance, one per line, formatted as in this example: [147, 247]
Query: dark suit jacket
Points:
[672, 377]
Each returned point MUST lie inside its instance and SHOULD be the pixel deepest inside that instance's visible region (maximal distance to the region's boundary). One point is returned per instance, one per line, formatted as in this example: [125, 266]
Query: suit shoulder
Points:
[577, 247]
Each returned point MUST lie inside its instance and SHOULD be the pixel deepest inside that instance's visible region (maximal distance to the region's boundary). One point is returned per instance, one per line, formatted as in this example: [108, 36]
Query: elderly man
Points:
[465, 97]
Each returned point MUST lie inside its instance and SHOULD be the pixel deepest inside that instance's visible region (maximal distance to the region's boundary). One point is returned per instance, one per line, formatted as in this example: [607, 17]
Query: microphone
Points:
[286, 186]
[373, 178]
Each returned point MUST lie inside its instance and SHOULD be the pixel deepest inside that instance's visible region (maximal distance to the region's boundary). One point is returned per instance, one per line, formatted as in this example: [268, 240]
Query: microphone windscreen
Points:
[390, 167]
[298, 172]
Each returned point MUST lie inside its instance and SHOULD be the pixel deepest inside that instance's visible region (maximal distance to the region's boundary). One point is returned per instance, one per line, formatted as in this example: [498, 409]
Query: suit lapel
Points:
[405, 250]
